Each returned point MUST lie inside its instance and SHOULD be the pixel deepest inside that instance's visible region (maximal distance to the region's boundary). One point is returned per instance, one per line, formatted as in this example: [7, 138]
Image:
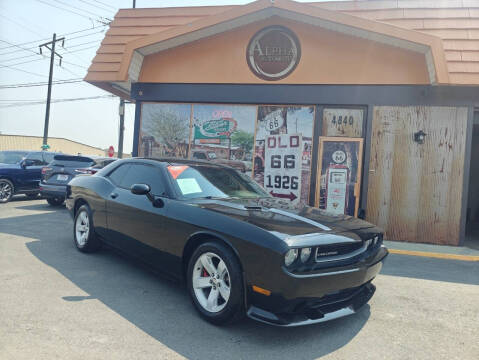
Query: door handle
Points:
[114, 195]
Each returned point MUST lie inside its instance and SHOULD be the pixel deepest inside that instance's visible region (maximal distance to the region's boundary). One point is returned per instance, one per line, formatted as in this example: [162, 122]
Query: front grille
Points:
[338, 252]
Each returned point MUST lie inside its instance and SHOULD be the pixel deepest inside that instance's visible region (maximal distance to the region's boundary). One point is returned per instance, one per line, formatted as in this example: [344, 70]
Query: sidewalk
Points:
[436, 251]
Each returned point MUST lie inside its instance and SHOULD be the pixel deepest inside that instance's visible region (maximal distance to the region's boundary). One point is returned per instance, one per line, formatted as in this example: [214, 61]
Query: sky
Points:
[25, 24]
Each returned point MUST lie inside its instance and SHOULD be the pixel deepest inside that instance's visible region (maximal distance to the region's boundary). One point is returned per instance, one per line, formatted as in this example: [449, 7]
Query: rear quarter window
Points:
[117, 175]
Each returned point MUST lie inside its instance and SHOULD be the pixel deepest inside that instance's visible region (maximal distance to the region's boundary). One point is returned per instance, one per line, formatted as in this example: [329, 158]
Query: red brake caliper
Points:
[205, 273]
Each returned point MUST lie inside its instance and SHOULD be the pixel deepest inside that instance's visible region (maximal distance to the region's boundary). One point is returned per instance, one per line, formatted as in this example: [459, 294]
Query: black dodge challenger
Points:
[238, 249]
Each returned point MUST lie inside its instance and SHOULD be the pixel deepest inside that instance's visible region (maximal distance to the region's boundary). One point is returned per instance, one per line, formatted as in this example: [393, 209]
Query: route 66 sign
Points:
[339, 156]
[273, 121]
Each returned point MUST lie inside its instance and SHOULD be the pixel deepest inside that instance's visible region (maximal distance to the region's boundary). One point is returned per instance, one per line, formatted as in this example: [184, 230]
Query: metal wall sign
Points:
[273, 53]
[282, 172]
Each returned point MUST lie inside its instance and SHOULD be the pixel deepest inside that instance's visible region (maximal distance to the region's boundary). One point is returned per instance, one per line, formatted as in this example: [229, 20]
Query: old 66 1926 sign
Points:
[273, 53]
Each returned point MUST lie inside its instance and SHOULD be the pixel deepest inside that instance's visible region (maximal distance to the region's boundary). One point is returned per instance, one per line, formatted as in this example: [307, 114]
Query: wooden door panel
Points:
[415, 190]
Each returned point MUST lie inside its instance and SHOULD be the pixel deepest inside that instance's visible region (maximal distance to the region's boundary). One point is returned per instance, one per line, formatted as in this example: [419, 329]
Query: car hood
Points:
[9, 166]
[283, 220]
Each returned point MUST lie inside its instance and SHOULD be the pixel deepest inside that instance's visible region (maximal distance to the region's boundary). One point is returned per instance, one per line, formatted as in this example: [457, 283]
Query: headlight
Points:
[305, 254]
[290, 257]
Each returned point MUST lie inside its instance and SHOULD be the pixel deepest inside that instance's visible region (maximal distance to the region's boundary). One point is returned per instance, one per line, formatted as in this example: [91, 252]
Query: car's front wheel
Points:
[55, 201]
[215, 283]
[6, 191]
[84, 235]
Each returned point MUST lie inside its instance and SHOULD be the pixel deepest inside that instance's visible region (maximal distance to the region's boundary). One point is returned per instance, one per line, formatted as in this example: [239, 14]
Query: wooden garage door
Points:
[415, 190]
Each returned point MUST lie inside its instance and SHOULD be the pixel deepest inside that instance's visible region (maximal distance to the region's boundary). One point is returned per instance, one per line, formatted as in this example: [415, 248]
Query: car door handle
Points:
[114, 195]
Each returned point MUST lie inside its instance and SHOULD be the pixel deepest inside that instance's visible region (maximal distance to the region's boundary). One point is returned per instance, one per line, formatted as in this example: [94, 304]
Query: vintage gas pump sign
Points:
[339, 170]
[282, 173]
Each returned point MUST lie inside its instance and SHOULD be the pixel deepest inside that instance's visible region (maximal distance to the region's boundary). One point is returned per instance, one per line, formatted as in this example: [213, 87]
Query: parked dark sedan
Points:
[239, 250]
[62, 169]
[20, 172]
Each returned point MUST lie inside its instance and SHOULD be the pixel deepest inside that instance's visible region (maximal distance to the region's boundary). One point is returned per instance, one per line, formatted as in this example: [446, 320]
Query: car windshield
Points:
[203, 181]
[12, 157]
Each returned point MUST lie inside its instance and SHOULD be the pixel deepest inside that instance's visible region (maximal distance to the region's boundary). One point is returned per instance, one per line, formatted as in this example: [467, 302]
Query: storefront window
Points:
[164, 130]
[283, 145]
[224, 134]
[273, 144]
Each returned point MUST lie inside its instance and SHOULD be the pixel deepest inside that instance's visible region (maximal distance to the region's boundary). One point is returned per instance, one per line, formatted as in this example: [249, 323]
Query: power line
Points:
[39, 102]
[18, 24]
[71, 11]
[18, 46]
[78, 50]
[71, 33]
[25, 71]
[21, 63]
[21, 57]
[96, 6]
[45, 83]
[100, 2]
[73, 64]
[76, 8]
[85, 43]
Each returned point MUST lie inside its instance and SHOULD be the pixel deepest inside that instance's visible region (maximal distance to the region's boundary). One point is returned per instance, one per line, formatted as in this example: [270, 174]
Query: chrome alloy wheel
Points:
[211, 282]
[82, 228]
[5, 190]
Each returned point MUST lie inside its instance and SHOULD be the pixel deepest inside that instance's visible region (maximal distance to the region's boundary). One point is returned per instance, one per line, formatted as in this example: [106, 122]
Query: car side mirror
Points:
[140, 189]
[144, 189]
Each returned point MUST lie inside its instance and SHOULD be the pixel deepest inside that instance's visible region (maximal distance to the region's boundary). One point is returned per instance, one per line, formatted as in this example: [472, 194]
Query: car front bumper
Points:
[53, 191]
[320, 297]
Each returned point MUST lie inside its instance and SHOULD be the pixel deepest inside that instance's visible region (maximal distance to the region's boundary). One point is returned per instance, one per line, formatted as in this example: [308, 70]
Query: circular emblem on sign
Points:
[273, 53]
[339, 156]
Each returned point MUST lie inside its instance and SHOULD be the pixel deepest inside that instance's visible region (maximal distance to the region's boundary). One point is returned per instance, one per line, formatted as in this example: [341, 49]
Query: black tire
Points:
[32, 195]
[6, 191]
[56, 201]
[233, 309]
[90, 243]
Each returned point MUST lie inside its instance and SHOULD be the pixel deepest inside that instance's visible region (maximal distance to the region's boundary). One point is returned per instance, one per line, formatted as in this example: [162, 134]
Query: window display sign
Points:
[220, 128]
[224, 134]
[282, 154]
[282, 173]
[339, 173]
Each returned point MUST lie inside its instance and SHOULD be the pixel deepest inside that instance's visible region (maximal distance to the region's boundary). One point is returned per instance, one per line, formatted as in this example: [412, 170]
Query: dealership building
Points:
[364, 108]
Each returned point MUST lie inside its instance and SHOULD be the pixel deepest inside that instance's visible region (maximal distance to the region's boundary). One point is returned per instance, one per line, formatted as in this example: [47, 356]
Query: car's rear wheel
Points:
[215, 283]
[84, 235]
[6, 191]
[55, 201]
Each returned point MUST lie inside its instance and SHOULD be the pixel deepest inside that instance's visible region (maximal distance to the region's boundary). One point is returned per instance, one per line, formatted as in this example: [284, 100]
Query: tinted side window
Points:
[144, 174]
[48, 157]
[36, 157]
[117, 175]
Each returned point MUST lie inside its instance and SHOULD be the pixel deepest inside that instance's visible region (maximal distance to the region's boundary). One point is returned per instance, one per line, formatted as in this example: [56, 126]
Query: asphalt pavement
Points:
[56, 302]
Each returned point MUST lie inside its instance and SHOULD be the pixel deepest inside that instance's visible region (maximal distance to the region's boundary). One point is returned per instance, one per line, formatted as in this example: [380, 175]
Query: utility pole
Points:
[134, 4]
[50, 78]
[121, 111]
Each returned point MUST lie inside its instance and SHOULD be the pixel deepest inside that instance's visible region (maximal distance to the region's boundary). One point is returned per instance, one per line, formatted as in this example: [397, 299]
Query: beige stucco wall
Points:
[34, 143]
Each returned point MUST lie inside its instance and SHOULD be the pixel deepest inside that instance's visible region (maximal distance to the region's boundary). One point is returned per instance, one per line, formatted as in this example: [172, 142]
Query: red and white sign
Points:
[111, 151]
[282, 172]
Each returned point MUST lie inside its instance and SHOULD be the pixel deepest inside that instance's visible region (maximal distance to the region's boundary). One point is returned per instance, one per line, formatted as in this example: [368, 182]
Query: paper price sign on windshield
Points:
[282, 173]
